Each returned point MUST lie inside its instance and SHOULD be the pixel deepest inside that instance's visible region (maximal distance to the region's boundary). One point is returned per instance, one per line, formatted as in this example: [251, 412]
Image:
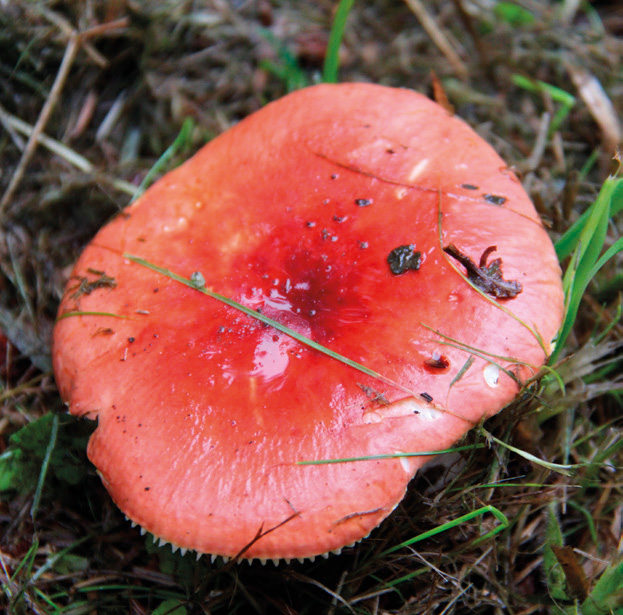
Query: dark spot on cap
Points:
[363, 202]
[469, 186]
[494, 199]
[437, 362]
[404, 258]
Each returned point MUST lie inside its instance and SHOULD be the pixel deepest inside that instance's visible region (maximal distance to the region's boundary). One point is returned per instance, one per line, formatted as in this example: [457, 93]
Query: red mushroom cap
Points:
[363, 217]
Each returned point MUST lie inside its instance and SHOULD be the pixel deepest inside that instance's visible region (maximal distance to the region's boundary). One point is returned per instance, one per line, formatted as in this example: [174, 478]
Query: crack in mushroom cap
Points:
[204, 412]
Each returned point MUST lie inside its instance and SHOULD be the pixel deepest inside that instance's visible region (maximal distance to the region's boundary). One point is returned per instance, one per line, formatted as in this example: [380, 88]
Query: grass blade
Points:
[554, 576]
[586, 261]
[456, 449]
[182, 139]
[197, 282]
[607, 595]
[555, 467]
[286, 67]
[110, 314]
[566, 100]
[498, 514]
[44, 467]
[569, 241]
[332, 59]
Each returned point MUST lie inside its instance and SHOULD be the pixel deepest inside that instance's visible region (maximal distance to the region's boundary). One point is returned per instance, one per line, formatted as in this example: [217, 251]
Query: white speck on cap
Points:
[491, 372]
[418, 169]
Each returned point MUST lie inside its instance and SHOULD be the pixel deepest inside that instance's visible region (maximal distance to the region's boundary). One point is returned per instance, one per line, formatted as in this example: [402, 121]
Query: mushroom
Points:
[363, 218]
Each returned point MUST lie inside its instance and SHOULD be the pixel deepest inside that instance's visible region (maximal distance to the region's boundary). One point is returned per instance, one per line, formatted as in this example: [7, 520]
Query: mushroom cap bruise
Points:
[203, 412]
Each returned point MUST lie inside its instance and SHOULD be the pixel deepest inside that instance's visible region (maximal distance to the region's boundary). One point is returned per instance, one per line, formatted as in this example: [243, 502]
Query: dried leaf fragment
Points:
[488, 278]
[577, 585]
[86, 286]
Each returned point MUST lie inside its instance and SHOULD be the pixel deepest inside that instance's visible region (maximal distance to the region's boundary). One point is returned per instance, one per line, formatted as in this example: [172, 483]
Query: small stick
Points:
[538, 149]
[56, 147]
[69, 31]
[468, 24]
[68, 59]
[76, 39]
[438, 37]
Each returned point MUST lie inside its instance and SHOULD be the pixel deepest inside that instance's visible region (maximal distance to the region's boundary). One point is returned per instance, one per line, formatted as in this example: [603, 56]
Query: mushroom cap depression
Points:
[365, 218]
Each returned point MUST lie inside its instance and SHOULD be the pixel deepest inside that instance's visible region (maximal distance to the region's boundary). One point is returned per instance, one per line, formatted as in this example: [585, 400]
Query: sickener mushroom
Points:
[204, 412]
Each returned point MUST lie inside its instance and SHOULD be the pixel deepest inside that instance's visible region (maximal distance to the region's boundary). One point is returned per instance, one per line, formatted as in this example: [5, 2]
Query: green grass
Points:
[564, 99]
[567, 582]
[332, 59]
[588, 256]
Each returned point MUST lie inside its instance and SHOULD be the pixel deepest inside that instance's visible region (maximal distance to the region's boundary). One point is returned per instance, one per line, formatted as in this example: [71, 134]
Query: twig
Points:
[338, 592]
[17, 140]
[540, 142]
[533, 161]
[70, 53]
[69, 31]
[468, 24]
[599, 105]
[75, 159]
[336, 597]
[76, 39]
[438, 37]
[568, 10]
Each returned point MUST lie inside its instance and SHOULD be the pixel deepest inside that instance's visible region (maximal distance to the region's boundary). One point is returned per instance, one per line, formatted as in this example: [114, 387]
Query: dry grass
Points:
[92, 93]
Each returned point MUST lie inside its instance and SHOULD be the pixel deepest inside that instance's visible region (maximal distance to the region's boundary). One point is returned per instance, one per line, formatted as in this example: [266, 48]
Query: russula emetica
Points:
[365, 218]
